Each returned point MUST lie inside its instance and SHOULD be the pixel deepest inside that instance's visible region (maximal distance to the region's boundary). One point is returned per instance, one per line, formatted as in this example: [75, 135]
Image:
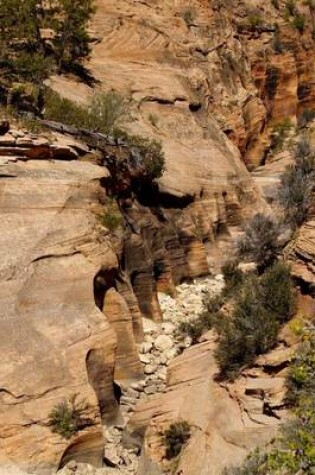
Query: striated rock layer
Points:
[55, 341]
[72, 297]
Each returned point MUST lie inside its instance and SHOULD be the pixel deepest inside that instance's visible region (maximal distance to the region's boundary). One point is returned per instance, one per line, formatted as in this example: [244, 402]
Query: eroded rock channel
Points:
[160, 347]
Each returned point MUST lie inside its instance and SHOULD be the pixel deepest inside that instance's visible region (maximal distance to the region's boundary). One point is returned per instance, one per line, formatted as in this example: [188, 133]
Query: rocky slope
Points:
[79, 304]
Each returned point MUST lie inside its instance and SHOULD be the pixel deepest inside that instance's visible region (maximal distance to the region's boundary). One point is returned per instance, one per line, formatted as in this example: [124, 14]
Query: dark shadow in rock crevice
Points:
[103, 281]
[101, 377]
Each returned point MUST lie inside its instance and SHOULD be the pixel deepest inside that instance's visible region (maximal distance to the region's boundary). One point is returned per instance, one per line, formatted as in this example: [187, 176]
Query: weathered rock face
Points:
[56, 342]
[302, 256]
[229, 419]
[183, 63]
[73, 299]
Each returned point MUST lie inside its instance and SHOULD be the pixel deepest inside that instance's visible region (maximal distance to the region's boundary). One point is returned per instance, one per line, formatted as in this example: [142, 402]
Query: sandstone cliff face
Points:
[240, 62]
[52, 330]
[226, 421]
[73, 297]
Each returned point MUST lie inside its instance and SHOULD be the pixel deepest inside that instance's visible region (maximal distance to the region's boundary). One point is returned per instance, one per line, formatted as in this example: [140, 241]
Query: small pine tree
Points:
[72, 41]
[260, 241]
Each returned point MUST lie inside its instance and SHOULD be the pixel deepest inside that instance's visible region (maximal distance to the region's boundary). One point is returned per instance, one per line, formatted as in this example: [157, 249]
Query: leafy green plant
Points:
[175, 437]
[301, 376]
[233, 278]
[107, 111]
[261, 306]
[210, 318]
[195, 328]
[254, 464]
[111, 217]
[252, 330]
[63, 110]
[297, 183]
[298, 22]
[260, 241]
[280, 133]
[255, 20]
[69, 417]
[149, 154]
[276, 292]
[26, 53]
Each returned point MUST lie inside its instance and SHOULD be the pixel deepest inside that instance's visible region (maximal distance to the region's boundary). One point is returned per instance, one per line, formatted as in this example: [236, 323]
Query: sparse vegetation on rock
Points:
[292, 452]
[301, 376]
[297, 183]
[175, 437]
[279, 134]
[38, 37]
[69, 417]
[260, 241]
[261, 306]
[111, 217]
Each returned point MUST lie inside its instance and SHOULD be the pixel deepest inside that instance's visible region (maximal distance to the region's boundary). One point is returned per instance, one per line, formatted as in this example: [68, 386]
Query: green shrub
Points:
[104, 112]
[280, 133]
[111, 218]
[149, 154]
[298, 22]
[63, 110]
[301, 376]
[197, 327]
[69, 417]
[253, 465]
[255, 20]
[251, 332]
[107, 111]
[213, 304]
[233, 278]
[261, 305]
[293, 451]
[26, 53]
[31, 66]
[277, 293]
[210, 318]
[296, 186]
[175, 437]
[260, 241]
